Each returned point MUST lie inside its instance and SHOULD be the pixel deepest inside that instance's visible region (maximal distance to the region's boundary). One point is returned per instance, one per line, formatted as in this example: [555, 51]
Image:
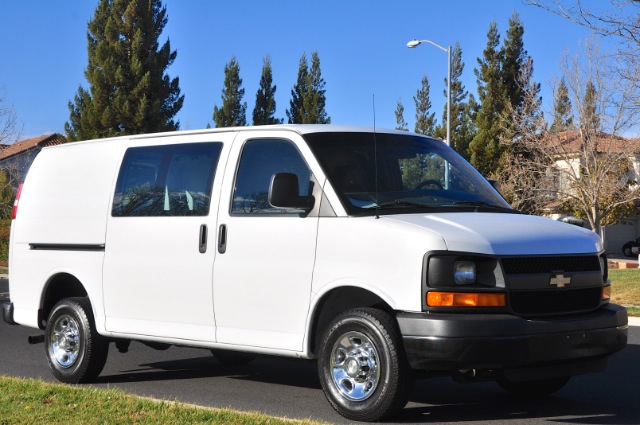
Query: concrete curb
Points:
[634, 321]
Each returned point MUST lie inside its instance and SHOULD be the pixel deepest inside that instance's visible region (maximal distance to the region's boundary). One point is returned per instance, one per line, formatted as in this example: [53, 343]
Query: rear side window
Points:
[173, 180]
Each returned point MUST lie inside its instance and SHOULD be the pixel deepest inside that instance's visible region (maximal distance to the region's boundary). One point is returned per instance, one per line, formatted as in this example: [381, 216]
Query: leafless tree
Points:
[10, 132]
[587, 171]
[525, 180]
[615, 19]
[9, 129]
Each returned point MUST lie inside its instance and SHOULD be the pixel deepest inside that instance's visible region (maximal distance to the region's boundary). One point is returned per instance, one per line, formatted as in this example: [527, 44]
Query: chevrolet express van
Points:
[381, 254]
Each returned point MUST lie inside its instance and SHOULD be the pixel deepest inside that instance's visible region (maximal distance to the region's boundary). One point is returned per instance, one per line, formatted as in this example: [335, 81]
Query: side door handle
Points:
[202, 240]
[222, 239]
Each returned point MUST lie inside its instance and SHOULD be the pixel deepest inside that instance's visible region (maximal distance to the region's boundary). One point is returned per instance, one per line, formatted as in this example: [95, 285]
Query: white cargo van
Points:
[378, 253]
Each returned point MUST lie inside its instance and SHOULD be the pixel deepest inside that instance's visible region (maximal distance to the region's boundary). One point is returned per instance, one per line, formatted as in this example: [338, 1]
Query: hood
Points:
[505, 234]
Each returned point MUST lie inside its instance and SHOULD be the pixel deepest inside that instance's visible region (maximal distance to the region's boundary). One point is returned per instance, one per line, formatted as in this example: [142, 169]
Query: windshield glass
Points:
[394, 173]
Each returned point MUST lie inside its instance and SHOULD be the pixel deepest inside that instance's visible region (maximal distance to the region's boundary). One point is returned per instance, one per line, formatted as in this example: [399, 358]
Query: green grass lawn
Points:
[625, 289]
[28, 401]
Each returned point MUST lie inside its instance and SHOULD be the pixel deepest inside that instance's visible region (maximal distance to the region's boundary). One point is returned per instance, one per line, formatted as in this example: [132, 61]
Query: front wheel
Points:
[74, 349]
[534, 389]
[626, 250]
[362, 366]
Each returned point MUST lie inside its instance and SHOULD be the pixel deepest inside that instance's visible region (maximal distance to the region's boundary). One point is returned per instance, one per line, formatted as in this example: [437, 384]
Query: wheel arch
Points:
[337, 301]
[58, 286]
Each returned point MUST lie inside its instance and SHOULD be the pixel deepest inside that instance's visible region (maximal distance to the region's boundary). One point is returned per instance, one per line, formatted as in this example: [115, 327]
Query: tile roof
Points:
[7, 151]
[571, 141]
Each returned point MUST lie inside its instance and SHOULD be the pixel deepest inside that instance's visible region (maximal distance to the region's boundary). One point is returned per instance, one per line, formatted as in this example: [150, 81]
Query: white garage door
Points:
[616, 235]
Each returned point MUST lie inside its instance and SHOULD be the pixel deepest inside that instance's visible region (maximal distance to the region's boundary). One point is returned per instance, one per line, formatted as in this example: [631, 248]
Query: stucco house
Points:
[568, 144]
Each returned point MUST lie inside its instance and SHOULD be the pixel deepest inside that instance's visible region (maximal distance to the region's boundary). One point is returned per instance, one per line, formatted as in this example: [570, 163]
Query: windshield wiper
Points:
[402, 204]
[483, 204]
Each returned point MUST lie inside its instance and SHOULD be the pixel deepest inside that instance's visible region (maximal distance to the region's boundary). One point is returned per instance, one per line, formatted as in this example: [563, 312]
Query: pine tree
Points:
[484, 149]
[425, 121]
[307, 104]
[562, 109]
[468, 128]
[265, 108]
[295, 113]
[590, 113]
[401, 124]
[459, 140]
[233, 112]
[315, 100]
[129, 90]
[514, 57]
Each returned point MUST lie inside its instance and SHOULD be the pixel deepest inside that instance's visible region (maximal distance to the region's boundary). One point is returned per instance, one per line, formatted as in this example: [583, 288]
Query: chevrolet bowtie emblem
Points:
[560, 280]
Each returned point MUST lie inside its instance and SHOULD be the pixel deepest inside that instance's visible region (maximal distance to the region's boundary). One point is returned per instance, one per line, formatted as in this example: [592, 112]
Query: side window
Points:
[174, 180]
[260, 160]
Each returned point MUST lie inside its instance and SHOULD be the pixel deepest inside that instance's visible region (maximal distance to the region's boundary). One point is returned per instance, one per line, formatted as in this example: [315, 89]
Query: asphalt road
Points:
[290, 388]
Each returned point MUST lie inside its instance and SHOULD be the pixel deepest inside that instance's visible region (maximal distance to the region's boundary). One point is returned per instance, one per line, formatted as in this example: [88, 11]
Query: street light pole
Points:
[415, 43]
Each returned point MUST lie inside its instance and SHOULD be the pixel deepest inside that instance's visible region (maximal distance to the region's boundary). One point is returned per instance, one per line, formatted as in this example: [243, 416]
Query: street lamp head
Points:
[413, 43]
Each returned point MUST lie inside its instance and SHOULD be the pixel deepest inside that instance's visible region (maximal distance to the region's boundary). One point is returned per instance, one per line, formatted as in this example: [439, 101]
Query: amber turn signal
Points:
[465, 299]
[606, 293]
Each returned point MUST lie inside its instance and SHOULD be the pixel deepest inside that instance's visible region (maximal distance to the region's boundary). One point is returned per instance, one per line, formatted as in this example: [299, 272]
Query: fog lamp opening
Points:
[606, 293]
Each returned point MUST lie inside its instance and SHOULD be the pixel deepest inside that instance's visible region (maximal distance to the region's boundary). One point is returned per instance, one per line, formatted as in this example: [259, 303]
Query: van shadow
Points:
[608, 397]
[273, 370]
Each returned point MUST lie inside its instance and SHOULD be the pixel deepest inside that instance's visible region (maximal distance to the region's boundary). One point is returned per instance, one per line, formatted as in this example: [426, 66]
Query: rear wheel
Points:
[626, 250]
[362, 367]
[534, 389]
[75, 351]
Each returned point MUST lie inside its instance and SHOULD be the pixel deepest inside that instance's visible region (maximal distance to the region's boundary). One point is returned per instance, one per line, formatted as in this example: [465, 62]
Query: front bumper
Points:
[571, 345]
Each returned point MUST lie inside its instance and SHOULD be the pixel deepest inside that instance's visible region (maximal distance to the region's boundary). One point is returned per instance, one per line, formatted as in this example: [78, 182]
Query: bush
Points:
[5, 230]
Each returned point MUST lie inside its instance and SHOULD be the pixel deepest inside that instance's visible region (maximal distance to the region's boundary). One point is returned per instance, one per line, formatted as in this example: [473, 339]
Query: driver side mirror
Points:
[284, 193]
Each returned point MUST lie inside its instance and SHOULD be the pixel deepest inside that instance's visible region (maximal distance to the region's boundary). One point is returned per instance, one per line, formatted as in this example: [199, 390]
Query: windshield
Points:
[392, 173]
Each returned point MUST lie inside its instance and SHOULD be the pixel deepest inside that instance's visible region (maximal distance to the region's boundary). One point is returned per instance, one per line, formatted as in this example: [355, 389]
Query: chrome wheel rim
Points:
[355, 366]
[65, 341]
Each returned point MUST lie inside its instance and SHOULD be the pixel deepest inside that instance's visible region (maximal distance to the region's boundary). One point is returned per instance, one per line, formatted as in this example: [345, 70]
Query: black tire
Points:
[626, 250]
[362, 366]
[75, 351]
[232, 358]
[534, 389]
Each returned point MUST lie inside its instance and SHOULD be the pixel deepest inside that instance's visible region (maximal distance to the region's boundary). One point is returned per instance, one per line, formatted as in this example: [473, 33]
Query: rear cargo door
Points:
[159, 257]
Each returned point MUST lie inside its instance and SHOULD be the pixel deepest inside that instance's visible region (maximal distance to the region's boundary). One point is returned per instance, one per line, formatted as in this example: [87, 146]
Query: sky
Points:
[364, 59]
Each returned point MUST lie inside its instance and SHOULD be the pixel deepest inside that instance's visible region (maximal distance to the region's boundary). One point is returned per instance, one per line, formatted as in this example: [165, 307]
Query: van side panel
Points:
[63, 209]
[65, 198]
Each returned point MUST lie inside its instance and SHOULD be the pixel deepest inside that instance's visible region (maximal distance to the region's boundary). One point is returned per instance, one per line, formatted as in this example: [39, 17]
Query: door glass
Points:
[260, 160]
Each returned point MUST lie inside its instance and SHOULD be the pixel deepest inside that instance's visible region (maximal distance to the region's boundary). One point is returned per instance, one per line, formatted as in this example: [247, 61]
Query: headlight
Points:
[464, 272]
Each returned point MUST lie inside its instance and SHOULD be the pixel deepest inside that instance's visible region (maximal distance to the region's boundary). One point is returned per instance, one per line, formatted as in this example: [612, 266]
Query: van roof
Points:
[298, 128]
